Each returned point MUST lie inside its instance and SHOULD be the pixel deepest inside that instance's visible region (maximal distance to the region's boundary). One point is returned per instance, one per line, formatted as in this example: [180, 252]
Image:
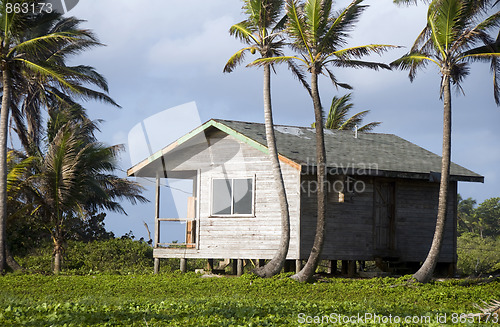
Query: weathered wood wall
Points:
[417, 204]
[238, 237]
[351, 226]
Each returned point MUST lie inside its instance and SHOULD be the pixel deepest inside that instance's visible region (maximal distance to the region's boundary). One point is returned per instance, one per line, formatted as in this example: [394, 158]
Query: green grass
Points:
[189, 300]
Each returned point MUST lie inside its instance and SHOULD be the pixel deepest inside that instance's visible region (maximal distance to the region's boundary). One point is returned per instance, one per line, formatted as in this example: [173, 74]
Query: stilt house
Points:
[382, 195]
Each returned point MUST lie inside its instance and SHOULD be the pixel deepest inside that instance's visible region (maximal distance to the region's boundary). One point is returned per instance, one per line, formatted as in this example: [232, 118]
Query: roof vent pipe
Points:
[355, 131]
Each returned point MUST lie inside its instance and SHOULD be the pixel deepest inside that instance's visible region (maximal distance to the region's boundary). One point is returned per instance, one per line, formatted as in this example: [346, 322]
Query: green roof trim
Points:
[240, 137]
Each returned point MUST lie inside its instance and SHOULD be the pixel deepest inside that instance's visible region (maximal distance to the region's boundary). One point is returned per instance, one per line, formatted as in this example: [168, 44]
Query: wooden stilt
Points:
[234, 266]
[157, 266]
[344, 267]
[239, 268]
[351, 268]
[332, 267]
[298, 266]
[183, 265]
[210, 265]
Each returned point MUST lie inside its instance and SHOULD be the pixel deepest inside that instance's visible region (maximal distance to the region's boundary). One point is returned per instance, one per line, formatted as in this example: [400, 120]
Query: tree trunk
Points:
[4, 126]
[57, 255]
[424, 274]
[310, 267]
[9, 259]
[274, 266]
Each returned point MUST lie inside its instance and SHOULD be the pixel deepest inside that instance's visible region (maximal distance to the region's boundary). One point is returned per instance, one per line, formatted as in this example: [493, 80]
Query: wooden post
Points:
[261, 262]
[191, 224]
[298, 266]
[210, 265]
[239, 267]
[286, 266]
[332, 267]
[234, 266]
[157, 266]
[344, 267]
[183, 265]
[157, 211]
[157, 223]
[351, 268]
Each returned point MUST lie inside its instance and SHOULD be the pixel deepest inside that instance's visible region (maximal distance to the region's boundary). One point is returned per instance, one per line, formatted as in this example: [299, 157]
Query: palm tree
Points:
[19, 168]
[74, 177]
[261, 32]
[318, 34]
[451, 40]
[25, 44]
[338, 118]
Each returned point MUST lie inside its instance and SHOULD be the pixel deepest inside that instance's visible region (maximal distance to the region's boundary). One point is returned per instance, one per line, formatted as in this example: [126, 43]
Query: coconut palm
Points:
[318, 34]
[74, 177]
[38, 92]
[454, 37]
[261, 31]
[19, 167]
[338, 116]
[26, 41]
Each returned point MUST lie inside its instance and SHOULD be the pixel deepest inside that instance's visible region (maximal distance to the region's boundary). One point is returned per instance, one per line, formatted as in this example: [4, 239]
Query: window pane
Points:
[243, 189]
[221, 197]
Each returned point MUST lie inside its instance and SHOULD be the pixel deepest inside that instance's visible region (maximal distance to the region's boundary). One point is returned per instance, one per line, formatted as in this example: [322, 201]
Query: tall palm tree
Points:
[455, 36]
[19, 167]
[25, 41]
[338, 116]
[318, 34]
[74, 177]
[261, 31]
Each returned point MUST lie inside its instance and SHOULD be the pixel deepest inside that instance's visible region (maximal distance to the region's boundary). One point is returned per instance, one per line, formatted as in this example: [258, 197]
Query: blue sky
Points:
[161, 53]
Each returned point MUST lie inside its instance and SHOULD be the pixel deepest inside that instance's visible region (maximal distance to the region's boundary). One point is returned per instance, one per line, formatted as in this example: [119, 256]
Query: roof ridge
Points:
[293, 126]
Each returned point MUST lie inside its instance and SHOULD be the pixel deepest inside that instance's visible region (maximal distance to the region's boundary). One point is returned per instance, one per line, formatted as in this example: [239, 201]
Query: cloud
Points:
[206, 51]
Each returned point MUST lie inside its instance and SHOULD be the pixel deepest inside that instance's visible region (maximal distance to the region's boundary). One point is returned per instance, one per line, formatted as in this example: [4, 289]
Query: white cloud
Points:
[207, 50]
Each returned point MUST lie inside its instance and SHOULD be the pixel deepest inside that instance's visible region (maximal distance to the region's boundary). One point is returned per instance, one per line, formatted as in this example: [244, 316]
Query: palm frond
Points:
[340, 26]
[412, 62]
[335, 82]
[273, 60]
[445, 23]
[358, 64]
[299, 74]
[236, 59]
[361, 51]
[297, 27]
[244, 32]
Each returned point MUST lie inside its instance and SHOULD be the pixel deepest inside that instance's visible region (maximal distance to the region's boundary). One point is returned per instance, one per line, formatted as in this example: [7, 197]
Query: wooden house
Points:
[382, 195]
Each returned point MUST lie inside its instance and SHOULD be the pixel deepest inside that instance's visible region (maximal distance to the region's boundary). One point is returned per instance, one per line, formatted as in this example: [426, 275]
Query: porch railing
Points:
[190, 232]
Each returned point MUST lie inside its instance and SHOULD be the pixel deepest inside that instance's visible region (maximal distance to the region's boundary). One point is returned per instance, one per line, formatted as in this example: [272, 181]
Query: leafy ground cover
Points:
[190, 300]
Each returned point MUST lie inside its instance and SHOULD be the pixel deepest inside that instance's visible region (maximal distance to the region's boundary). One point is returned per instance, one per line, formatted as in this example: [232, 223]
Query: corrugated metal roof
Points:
[384, 152]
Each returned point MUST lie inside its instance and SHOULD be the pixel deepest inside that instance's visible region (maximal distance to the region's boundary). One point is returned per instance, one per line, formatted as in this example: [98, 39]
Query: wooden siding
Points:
[255, 237]
[349, 225]
[416, 221]
[351, 232]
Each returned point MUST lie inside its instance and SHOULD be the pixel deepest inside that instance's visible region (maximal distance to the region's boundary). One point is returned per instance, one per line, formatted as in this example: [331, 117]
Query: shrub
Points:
[111, 256]
[478, 255]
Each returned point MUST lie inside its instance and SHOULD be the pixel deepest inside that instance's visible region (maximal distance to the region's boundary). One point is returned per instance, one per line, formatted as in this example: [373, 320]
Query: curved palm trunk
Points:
[4, 125]
[9, 259]
[274, 266]
[424, 274]
[312, 262]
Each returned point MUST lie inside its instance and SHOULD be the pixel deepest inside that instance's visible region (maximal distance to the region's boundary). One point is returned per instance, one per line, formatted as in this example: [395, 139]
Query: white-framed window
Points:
[233, 196]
